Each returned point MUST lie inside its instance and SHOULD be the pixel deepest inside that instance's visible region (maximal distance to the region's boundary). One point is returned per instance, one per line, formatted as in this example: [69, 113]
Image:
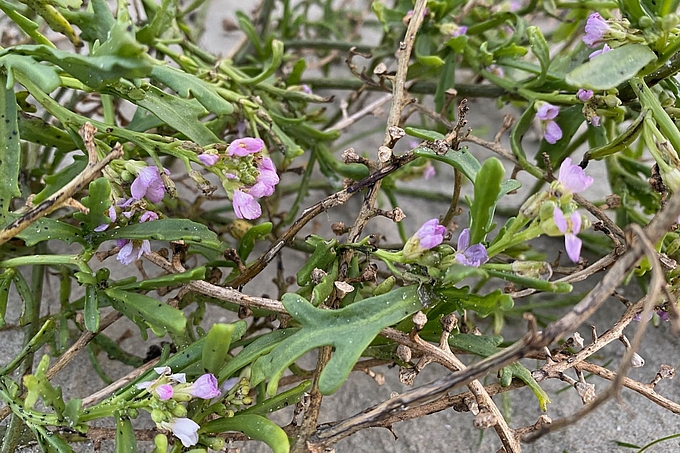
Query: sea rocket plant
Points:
[429, 235]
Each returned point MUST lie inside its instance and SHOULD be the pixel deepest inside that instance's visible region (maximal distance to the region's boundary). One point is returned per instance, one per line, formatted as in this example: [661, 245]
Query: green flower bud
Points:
[179, 411]
[158, 415]
[533, 205]
[547, 209]
[612, 101]
[161, 443]
[215, 443]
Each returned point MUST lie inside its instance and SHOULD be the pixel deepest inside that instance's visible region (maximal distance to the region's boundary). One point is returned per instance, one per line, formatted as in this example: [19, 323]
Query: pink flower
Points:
[266, 180]
[112, 216]
[596, 30]
[243, 146]
[460, 31]
[205, 387]
[130, 251]
[149, 184]
[245, 206]
[164, 392]
[570, 228]
[551, 130]
[584, 95]
[185, 429]
[573, 178]
[604, 49]
[467, 255]
[208, 159]
[430, 234]
[429, 172]
[148, 216]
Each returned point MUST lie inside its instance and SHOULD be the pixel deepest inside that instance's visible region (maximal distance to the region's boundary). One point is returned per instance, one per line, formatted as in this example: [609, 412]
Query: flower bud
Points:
[161, 443]
[547, 209]
[671, 177]
[179, 411]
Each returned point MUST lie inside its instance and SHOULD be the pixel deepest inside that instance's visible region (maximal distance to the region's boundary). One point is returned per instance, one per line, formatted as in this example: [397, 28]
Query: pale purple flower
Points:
[148, 216]
[595, 121]
[515, 5]
[596, 29]
[429, 172]
[204, 387]
[185, 429]
[245, 206]
[460, 31]
[166, 371]
[604, 49]
[573, 178]
[243, 146]
[164, 392]
[430, 234]
[551, 130]
[267, 179]
[112, 216]
[663, 315]
[584, 95]
[208, 159]
[306, 89]
[570, 228]
[149, 184]
[468, 255]
[130, 251]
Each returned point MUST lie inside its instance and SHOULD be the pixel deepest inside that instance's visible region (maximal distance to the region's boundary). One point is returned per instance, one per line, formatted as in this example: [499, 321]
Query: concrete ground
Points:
[632, 419]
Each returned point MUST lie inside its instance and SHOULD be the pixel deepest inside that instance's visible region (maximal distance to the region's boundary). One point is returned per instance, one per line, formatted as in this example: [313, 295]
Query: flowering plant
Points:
[157, 182]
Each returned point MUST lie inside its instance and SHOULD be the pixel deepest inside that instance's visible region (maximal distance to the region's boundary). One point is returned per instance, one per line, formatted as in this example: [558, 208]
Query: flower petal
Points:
[463, 240]
[573, 246]
[245, 206]
[560, 220]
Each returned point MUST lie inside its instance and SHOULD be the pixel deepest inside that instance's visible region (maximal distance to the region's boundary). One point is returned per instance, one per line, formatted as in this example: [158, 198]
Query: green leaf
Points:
[189, 85]
[34, 129]
[254, 426]
[622, 141]
[280, 401]
[45, 229]
[257, 348]
[180, 114]
[161, 21]
[349, 330]
[465, 162]
[98, 203]
[253, 234]
[72, 410]
[10, 149]
[542, 285]
[146, 311]
[126, 442]
[484, 305]
[422, 52]
[487, 192]
[91, 309]
[45, 76]
[610, 69]
[540, 48]
[5, 284]
[459, 272]
[165, 230]
[94, 24]
[324, 254]
[54, 18]
[95, 72]
[197, 273]
[120, 42]
[425, 134]
[26, 24]
[447, 79]
[53, 442]
[217, 343]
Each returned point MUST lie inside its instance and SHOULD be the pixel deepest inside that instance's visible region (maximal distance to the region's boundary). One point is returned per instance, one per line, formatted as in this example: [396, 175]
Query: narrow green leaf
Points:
[610, 69]
[45, 229]
[5, 284]
[189, 85]
[91, 309]
[165, 230]
[483, 305]
[324, 254]
[126, 442]
[542, 285]
[424, 134]
[197, 273]
[250, 353]
[147, 311]
[72, 410]
[10, 149]
[349, 330]
[280, 401]
[34, 129]
[487, 191]
[253, 234]
[216, 346]
[253, 426]
[540, 48]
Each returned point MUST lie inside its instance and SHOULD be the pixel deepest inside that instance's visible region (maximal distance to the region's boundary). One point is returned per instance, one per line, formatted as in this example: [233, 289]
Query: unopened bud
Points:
[161, 443]
[532, 206]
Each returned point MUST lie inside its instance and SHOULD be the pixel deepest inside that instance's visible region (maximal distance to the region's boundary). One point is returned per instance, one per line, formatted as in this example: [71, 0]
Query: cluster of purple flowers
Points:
[245, 198]
[171, 386]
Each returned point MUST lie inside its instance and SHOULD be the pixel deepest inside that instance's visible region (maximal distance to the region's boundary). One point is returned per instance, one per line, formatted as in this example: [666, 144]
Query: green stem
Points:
[35, 260]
